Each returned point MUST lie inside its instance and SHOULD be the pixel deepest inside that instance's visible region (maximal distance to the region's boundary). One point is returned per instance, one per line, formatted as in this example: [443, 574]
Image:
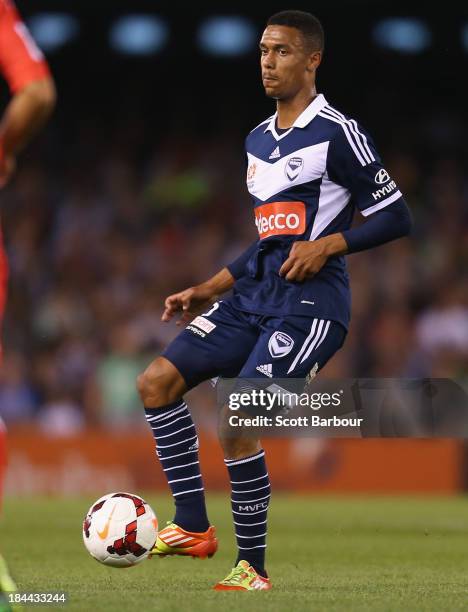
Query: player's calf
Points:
[161, 388]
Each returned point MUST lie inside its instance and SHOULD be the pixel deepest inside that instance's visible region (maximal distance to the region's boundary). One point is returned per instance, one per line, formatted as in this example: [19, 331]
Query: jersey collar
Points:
[304, 118]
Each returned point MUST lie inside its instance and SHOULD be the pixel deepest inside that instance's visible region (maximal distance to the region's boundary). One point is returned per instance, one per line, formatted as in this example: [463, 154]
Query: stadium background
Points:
[136, 190]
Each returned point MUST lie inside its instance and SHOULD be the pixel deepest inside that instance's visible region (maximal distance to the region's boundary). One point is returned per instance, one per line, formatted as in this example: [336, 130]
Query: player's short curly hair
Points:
[309, 26]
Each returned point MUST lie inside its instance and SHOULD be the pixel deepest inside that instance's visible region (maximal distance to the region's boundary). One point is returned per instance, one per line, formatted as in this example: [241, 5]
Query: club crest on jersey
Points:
[294, 167]
[280, 344]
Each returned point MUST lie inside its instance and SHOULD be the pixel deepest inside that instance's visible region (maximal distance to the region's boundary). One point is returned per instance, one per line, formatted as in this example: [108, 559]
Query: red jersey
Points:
[21, 61]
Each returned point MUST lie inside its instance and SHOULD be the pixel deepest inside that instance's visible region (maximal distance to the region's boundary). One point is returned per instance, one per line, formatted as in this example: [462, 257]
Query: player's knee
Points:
[141, 384]
[160, 384]
[153, 386]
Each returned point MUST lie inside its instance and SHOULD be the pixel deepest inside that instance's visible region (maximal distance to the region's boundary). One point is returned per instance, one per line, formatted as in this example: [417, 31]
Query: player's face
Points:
[287, 65]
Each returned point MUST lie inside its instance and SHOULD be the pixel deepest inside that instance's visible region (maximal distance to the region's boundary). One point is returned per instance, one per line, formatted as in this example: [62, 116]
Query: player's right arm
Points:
[194, 300]
[33, 92]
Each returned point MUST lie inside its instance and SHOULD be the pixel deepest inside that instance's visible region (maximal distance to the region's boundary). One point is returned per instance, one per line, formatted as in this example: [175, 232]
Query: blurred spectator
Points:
[61, 416]
[112, 388]
[442, 330]
[17, 399]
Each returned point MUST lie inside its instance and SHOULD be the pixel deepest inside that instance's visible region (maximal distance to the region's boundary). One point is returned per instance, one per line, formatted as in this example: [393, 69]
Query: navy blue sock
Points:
[250, 486]
[177, 448]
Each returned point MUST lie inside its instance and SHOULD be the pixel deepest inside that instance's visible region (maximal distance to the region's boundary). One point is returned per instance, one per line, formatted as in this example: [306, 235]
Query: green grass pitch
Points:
[324, 554]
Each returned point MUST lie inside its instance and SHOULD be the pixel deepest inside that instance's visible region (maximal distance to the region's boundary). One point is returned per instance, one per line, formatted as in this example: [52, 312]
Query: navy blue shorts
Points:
[232, 343]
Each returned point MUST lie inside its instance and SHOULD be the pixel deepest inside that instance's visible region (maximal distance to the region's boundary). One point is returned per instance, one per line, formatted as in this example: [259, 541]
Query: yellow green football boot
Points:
[243, 577]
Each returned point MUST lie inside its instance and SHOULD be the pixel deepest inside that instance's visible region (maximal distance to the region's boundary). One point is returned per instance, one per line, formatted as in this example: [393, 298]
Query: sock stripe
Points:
[184, 416]
[250, 501]
[177, 467]
[250, 479]
[189, 491]
[251, 547]
[165, 415]
[177, 443]
[170, 415]
[191, 426]
[181, 479]
[180, 454]
[252, 490]
[259, 535]
[230, 462]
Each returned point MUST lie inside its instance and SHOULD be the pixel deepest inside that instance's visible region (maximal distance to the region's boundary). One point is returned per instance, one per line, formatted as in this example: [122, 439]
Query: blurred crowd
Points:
[97, 236]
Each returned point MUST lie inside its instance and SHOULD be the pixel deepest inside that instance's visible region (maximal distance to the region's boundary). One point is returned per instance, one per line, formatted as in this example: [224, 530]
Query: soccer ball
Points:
[120, 529]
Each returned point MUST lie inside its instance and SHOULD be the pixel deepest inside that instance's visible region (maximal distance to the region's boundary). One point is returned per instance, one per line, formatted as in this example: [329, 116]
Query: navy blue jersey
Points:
[306, 182]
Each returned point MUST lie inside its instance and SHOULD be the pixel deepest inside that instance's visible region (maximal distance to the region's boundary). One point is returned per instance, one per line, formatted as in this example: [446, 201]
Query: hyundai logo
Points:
[382, 177]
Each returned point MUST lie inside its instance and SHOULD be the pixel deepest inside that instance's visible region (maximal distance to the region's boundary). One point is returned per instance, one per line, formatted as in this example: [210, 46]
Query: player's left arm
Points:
[32, 87]
[358, 168]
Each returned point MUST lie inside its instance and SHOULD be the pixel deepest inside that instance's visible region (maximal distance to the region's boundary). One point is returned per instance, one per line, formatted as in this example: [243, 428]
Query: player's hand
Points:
[190, 302]
[306, 258]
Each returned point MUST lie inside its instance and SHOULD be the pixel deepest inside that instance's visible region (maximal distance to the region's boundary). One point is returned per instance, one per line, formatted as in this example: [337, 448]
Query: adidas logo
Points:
[265, 369]
[276, 153]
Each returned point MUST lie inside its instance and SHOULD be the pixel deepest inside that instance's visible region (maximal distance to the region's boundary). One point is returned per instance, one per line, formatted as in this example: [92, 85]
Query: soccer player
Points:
[32, 100]
[310, 167]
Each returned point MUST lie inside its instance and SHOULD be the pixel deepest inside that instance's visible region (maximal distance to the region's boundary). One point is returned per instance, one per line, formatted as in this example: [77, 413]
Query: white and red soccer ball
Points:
[120, 529]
